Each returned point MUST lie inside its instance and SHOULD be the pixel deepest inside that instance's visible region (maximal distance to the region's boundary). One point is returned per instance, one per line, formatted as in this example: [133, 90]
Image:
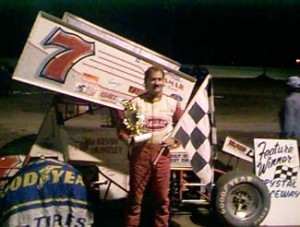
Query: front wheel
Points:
[242, 199]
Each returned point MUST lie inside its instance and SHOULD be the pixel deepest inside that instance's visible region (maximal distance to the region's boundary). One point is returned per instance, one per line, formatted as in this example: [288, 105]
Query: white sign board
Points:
[277, 164]
[65, 59]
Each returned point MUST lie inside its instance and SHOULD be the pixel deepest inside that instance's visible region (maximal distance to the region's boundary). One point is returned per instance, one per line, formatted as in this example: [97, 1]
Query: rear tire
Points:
[241, 199]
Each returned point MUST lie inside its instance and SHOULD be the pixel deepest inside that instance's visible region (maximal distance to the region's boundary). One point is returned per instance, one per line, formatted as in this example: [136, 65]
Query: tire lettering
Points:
[222, 201]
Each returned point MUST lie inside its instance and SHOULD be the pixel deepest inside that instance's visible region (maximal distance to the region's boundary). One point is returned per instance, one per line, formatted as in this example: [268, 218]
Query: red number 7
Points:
[72, 49]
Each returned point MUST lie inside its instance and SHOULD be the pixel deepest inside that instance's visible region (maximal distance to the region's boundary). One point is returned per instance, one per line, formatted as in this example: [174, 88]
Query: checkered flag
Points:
[286, 172]
[196, 131]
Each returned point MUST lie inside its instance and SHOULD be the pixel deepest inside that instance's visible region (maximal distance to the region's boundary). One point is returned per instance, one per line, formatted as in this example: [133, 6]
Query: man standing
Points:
[160, 113]
[290, 112]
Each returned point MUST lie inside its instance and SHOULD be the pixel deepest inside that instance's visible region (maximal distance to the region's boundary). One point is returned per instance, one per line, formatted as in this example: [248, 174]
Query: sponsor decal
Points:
[114, 83]
[135, 90]
[155, 124]
[89, 78]
[100, 146]
[179, 157]
[108, 96]
[176, 97]
[240, 147]
[85, 89]
[174, 84]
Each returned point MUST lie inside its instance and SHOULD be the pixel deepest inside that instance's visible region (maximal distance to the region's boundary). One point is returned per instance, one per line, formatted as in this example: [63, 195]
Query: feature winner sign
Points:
[277, 164]
[61, 57]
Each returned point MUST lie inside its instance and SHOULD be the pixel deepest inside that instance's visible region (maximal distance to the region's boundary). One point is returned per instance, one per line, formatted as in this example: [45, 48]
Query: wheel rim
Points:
[244, 201]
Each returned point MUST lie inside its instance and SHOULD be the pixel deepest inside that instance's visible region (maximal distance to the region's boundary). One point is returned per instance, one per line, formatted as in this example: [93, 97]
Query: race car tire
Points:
[241, 199]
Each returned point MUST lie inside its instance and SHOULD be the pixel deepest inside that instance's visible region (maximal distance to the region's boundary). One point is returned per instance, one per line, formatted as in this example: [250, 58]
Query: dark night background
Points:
[210, 32]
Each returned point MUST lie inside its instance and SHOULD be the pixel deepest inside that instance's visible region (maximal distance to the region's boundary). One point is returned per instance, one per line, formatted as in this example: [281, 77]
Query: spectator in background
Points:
[289, 115]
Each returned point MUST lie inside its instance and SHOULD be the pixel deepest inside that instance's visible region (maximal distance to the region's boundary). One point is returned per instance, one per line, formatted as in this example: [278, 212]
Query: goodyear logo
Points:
[37, 188]
[52, 174]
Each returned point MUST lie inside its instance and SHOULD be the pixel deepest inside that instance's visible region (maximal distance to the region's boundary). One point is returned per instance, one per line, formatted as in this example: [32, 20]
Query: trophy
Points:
[134, 122]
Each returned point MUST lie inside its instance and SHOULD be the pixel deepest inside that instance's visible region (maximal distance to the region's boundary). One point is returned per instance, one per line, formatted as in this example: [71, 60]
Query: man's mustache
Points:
[161, 85]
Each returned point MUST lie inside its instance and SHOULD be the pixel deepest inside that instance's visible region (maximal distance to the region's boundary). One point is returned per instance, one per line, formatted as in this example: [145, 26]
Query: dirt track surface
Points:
[248, 108]
[244, 109]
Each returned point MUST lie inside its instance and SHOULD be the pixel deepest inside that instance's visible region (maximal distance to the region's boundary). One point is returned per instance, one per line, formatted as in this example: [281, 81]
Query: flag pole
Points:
[162, 149]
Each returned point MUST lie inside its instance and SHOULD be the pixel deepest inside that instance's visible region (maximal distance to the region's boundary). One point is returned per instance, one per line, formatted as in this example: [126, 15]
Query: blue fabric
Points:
[42, 184]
